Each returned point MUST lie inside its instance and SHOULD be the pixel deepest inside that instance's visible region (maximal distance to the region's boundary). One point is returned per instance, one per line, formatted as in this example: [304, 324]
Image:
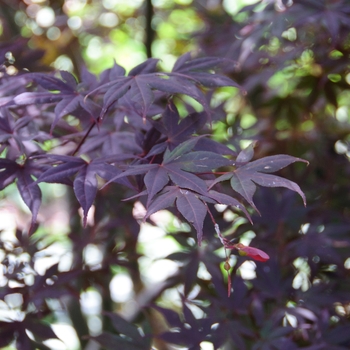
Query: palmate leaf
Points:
[139, 89]
[181, 149]
[187, 202]
[222, 198]
[28, 189]
[85, 182]
[196, 69]
[160, 176]
[49, 83]
[62, 92]
[138, 86]
[178, 130]
[244, 179]
[110, 142]
[15, 130]
[28, 98]
[30, 192]
[193, 210]
[178, 166]
[8, 172]
[201, 161]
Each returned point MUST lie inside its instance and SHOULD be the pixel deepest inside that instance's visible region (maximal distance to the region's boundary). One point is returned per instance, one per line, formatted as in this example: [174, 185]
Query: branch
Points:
[149, 30]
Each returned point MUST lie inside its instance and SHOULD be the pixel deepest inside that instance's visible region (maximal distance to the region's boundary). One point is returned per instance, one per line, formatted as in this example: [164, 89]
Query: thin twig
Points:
[84, 138]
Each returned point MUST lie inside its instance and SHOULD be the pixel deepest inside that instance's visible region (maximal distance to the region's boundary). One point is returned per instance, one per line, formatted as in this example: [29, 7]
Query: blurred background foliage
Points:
[292, 59]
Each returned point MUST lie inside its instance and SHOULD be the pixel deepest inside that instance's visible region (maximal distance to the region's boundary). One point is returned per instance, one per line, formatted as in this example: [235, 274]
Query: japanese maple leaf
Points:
[28, 189]
[244, 178]
[180, 166]
[17, 132]
[197, 69]
[140, 83]
[138, 86]
[85, 181]
[187, 202]
[177, 130]
[65, 93]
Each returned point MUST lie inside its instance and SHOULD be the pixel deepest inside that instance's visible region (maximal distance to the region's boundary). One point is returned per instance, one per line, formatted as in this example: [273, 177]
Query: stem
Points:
[217, 229]
[149, 29]
[84, 138]
[222, 240]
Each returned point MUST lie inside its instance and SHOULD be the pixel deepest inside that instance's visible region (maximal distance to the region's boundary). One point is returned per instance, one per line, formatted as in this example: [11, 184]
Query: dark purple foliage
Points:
[117, 139]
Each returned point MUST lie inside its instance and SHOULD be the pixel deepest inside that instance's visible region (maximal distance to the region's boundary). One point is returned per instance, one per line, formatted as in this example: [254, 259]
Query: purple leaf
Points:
[246, 155]
[185, 179]
[116, 71]
[179, 131]
[206, 144]
[181, 149]
[60, 158]
[242, 184]
[164, 200]
[157, 149]
[276, 181]
[116, 89]
[155, 180]
[222, 198]
[4, 122]
[60, 173]
[141, 93]
[201, 161]
[50, 83]
[29, 191]
[134, 170]
[91, 107]
[69, 79]
[85, 189]
[39, 329]
[108, 172]
[181, 61]
[170, 316]
[213, 80]
[28, 98]
[175, 85]
[245, 177]
[271, 164]
[148, 66]
[126, 328]
[193, 210]
[8, 172]
[197, 64]
[65, 106]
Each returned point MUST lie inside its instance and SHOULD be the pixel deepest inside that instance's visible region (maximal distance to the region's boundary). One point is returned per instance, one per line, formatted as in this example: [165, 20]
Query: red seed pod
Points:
[227, 266]
[253, 253]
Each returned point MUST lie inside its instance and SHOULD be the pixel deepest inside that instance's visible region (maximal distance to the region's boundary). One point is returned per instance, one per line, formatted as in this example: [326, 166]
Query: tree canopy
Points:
[174, 174]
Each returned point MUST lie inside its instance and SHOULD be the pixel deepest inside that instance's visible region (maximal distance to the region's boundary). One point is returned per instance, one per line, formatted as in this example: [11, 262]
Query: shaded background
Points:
[292, 59]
